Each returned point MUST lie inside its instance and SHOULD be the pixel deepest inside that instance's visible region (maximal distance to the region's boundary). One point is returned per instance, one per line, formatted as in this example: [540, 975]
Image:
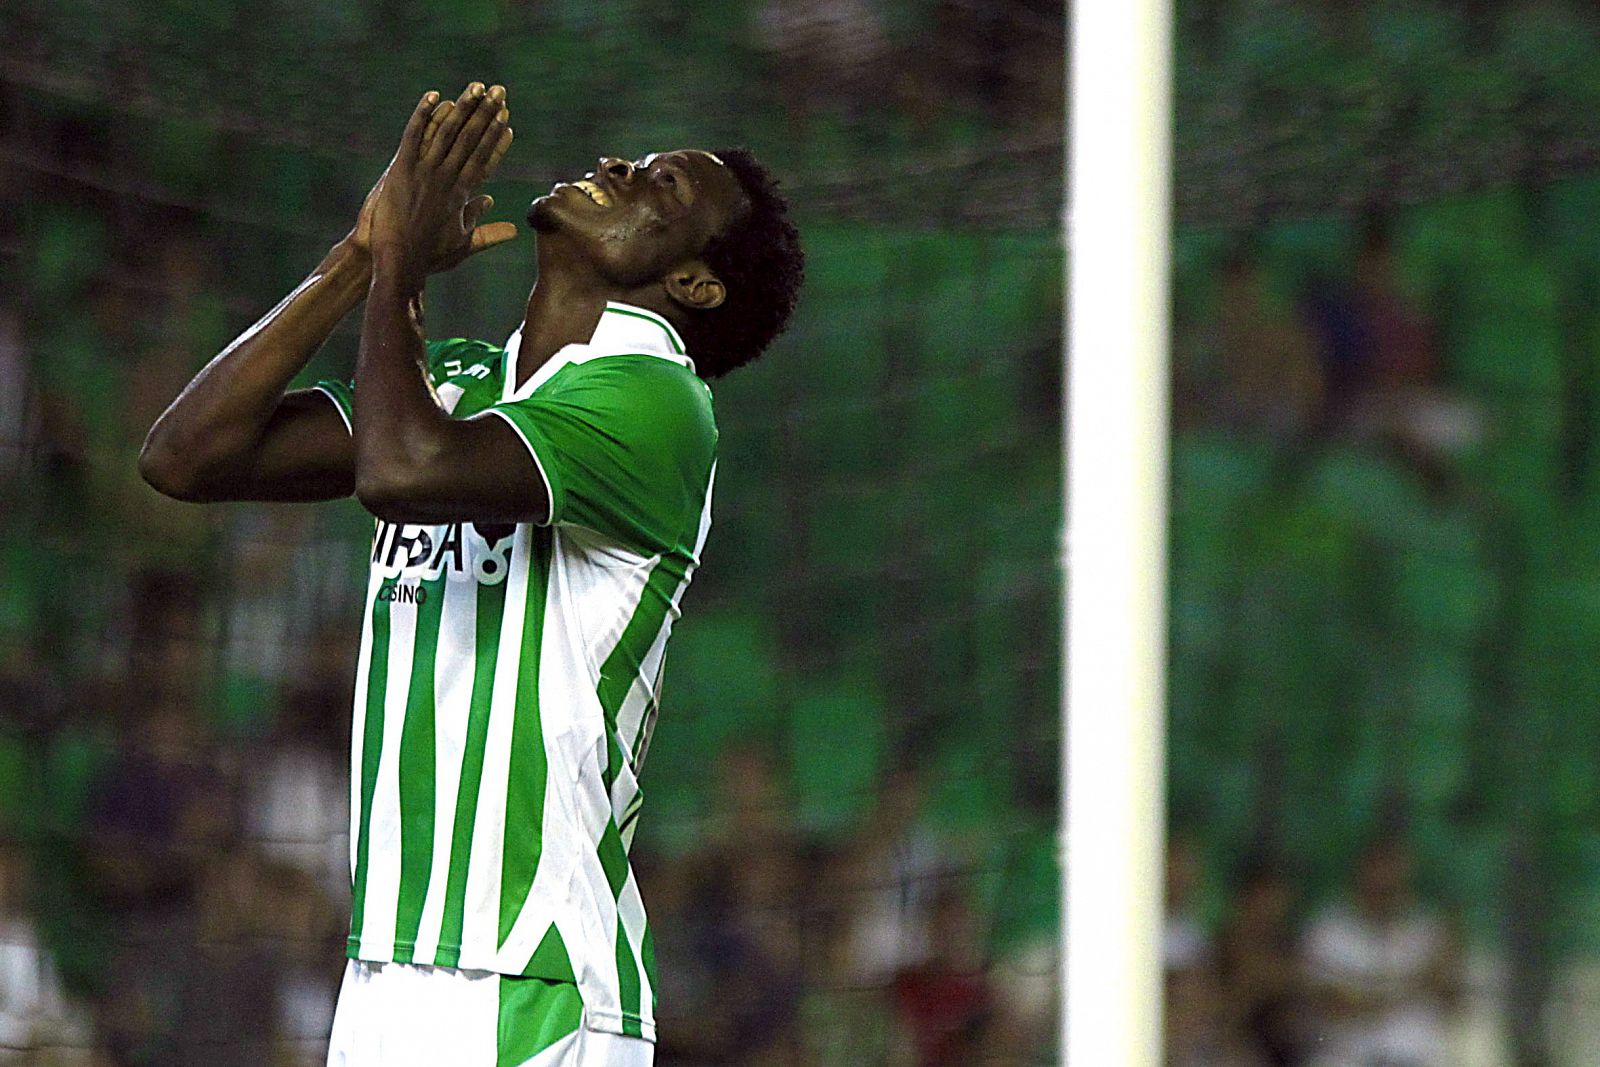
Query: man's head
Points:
[1383, 877]
[704, 237]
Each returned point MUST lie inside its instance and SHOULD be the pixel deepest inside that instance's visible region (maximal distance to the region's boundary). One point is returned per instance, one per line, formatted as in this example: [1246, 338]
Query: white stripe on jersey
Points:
[383, 852]
[481, 921]
[630, 907]
[452, 687]
[358, 732]
[645, 688]
[571, 889]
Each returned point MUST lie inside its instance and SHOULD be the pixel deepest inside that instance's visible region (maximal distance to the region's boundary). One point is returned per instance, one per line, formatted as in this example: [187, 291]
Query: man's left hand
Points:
[426, 214]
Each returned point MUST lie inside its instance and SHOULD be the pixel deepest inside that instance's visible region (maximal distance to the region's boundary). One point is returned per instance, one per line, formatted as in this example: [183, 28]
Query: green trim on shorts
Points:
[534, 1014]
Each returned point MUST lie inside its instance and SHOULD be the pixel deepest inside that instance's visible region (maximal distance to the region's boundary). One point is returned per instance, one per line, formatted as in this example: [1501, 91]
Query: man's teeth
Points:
[593, 192]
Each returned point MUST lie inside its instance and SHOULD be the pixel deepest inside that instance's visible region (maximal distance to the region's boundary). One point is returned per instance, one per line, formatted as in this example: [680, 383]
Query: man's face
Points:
[637, 221]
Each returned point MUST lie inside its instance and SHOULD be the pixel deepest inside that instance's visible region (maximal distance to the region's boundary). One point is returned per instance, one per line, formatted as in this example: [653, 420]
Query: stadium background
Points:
[1385, 525]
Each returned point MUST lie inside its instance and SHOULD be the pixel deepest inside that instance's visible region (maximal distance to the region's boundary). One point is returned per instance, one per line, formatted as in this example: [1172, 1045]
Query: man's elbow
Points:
[381, 501]
[386, 490]
[169, 474]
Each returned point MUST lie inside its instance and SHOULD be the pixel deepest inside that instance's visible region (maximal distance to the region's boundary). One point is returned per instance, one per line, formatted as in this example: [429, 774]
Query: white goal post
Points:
[1116, 223]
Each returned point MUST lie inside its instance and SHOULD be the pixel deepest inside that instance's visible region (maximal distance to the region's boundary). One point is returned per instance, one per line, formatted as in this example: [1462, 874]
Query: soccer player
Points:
[541, 508]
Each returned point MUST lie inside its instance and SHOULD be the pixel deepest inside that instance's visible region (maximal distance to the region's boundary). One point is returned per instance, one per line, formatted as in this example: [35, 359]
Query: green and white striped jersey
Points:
[508, 676]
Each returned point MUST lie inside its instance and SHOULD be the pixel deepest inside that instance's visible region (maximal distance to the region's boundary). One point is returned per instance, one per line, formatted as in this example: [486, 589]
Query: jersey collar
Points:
[623, 330]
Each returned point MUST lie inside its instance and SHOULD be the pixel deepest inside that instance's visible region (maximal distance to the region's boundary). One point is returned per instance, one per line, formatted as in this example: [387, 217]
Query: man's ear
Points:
[693, 285]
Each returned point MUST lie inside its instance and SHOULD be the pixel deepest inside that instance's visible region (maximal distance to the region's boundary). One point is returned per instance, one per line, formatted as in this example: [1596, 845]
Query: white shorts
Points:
[402, 1015]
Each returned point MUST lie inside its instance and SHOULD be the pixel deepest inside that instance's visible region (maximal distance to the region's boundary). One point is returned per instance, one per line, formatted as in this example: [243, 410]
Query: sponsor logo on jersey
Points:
[425, 552]
[403, 593]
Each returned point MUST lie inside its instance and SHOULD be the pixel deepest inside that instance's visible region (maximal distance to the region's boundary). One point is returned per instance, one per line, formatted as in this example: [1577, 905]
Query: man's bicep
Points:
[479, 470]
[494, 475]
[305, 453]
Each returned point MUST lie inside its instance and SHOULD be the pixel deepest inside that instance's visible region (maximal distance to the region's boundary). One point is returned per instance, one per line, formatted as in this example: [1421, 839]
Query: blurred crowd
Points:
[1374, 979]
[874, 949]
[1351, 354]
[1269, 966]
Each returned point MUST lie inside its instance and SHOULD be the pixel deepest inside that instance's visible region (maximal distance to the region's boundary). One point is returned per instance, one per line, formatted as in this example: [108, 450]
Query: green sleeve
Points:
[441, 354]
[625, 445]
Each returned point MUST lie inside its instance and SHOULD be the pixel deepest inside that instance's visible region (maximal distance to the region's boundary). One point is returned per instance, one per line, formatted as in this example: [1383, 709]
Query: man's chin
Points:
[542, 215]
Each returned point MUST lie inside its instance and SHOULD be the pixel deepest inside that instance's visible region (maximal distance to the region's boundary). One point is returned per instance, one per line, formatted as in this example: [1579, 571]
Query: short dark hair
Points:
[759, 259]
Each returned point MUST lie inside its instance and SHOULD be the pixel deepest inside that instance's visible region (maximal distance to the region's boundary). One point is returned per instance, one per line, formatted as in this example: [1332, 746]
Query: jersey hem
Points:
[626, 1023]
[352, 950]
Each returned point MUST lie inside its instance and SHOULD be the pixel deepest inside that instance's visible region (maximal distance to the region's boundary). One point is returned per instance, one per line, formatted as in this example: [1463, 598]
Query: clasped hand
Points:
[423, 214]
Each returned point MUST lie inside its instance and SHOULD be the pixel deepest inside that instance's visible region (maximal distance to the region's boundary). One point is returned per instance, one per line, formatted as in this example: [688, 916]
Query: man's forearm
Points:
[399, 427]
[219, 417]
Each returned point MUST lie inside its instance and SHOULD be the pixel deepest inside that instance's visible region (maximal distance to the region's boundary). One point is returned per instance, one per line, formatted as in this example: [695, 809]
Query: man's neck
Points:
[558, 314]
[564, 309]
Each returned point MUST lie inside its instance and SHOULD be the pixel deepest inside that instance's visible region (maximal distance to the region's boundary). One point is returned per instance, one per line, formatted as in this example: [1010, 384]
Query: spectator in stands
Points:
[1192, 1025]
[166, 648]
[741, 902]
[304, 929]
[32, 697]
[1266, 377]
[35, 1014]
[1026, 985]
[1185, 941]
[296, 815]
[1384, 971]
[154, 814]
[993, 57]
[1401, 336]
[20, 429]
[749, 803]
[178, 319]
[894, 868]
[945, 1001]
[686, 1033]
[227, 1008]
[827, 56]
[848, 1021]
[296, 784]
[1262, 998]
[1379, 351]
[751, 975]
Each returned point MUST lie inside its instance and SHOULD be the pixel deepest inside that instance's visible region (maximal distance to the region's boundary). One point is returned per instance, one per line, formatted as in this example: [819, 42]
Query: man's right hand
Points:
[450, 251]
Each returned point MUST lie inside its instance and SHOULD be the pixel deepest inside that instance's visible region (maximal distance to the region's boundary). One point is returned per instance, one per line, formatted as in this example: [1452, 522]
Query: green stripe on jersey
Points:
[628, 983]
[613, 860]
[524, 821]
[621, 668]
[534, 1014]
[371, 750]
[417, 774]
[491, 612]
[649, 954]
[550, 959]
